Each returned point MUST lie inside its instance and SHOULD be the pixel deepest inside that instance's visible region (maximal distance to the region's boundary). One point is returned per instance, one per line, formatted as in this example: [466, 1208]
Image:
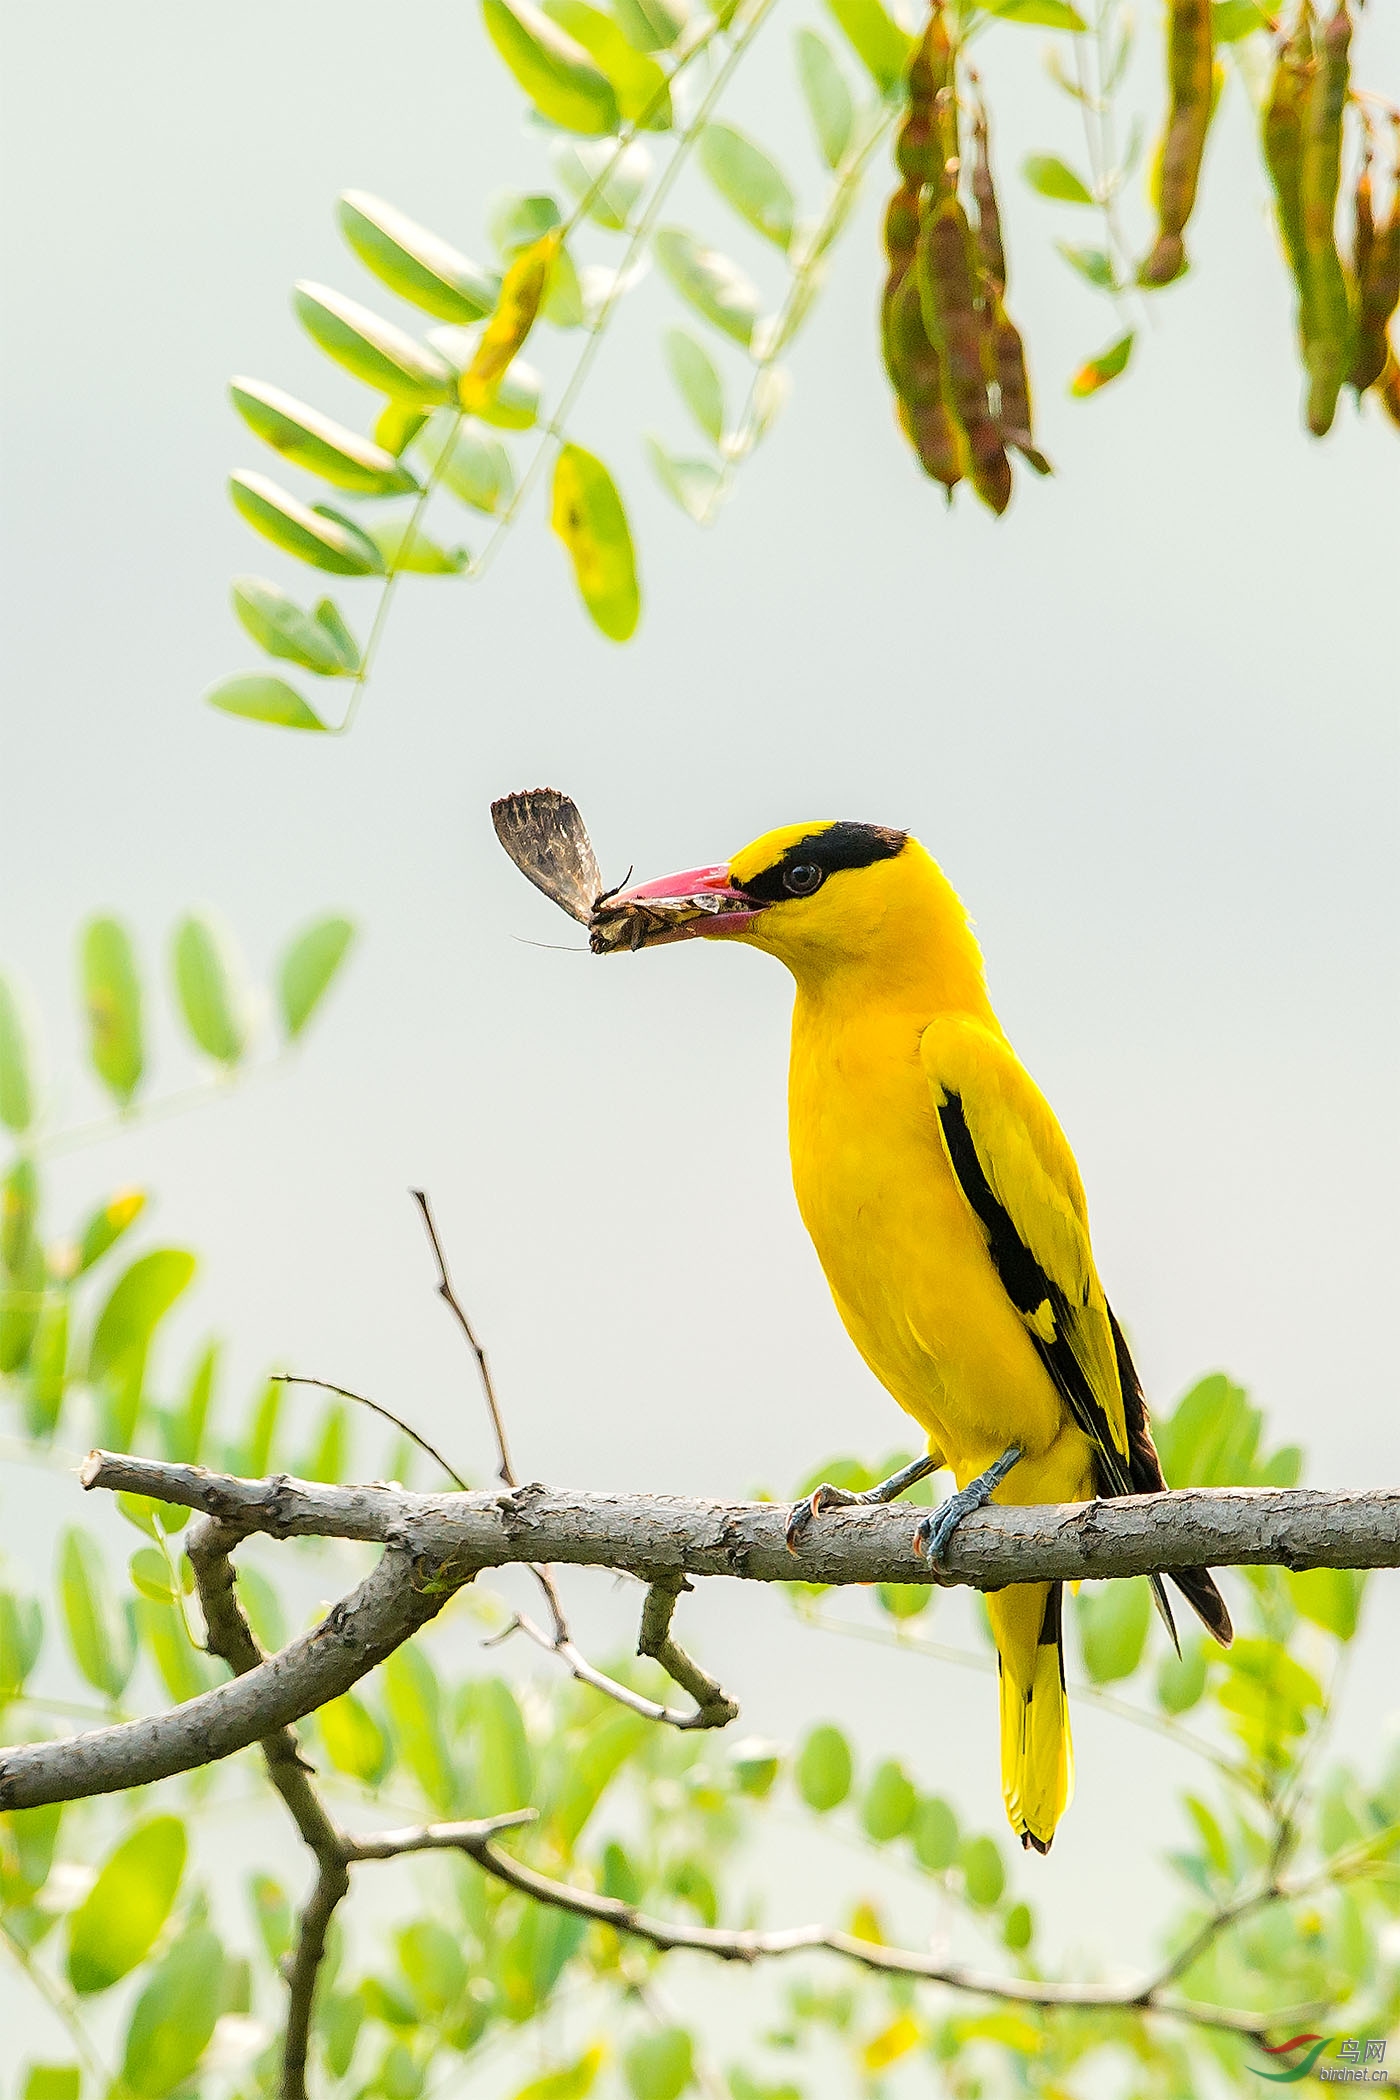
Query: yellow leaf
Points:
[522, 293]
[588, 516]
[895, 2041]
[865, 1924]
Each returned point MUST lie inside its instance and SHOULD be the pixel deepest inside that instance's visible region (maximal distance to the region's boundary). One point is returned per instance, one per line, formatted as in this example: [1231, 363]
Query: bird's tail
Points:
[1037, 1756]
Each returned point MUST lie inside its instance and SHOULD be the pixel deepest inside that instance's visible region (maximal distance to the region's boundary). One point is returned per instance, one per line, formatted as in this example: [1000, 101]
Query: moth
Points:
[547, 839]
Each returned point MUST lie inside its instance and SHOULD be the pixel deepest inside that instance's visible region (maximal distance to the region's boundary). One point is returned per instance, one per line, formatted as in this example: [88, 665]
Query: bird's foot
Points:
[934, 1533]
[828, 1497]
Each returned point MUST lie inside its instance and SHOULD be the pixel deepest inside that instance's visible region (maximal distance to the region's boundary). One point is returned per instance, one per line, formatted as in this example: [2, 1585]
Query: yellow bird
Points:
[949, 1217]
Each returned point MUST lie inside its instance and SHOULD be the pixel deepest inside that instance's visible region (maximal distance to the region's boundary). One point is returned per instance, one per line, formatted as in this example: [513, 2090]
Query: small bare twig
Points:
[376, 1408]
[713, 1709]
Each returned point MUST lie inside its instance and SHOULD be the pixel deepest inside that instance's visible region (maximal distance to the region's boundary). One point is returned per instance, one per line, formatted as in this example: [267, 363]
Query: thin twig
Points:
[375, 1407]
[713, 1708]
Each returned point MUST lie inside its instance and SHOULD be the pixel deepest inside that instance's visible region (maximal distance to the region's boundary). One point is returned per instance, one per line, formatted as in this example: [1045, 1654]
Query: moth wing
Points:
[544, 835]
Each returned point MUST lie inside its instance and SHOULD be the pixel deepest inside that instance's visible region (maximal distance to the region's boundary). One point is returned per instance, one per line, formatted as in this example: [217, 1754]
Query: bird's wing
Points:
[1014, 1166]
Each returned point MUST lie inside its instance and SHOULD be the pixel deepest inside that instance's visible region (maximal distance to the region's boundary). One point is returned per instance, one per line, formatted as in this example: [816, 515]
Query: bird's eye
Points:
[800, 882]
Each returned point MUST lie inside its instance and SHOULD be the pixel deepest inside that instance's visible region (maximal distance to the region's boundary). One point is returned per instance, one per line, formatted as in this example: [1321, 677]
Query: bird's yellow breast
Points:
[901, 1250]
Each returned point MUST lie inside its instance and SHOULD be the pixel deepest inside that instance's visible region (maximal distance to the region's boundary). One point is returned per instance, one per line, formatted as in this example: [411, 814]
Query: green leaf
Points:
[277, 624]
[876, 38]
[1054, 179]
[434, 1965]
[643, 96]
[890, 1803]
[697, 381]
[208, 985]
[1113, 1618]
[174, 2016]
[318, 443]
[691, 483]
[1092, 264]
[556, 72]
[904, 1600]
[308, 968]
[136, 1305]
[716, 288]
[354, 1741]
[755, 1765]
[119, 1919]
[396, 425]
[259, 699]
[827, 95]
[1329, 1597]
[19, 1205]
[1038, 14]
[99, 1639]
[1233, 19]
[328, 1460]
[983, 1872]
[272, 1914]
[21, 1302]
[52, 2082]
[515, 405]
[519, 219]
[184, 1670]
[504, 1769]
[21, 1638]
[371, 349]
[150, 1575]
[610, 175]
[28, 1840]
[587, 514]
[263, 1607]
[407, 549]
[824, 1768]
[1018, 1929]
[299, 530]
[569, 2082]
[112, 998]
[476, 468]
[659, 2066]
[1100, 370]
[48, 1368]
[749, 181]
[652, 25]
[255, 1457]
[16, 1063]
[413, 262]
[414, 1701]
[1181, 1679]
[935, 1835]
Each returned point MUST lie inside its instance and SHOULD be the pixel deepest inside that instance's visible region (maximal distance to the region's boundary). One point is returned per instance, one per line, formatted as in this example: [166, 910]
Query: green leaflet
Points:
[371, 349]
[16, 1063]
[209, 983]
[697, 381]
[827, 95]
[117, 1922]
[413, 262]
[587, 514]
[260, 699]
[319, 640]
[318, 443]
[876, 38]
[325, 542]
[824, 1768]
[308, 969]
[555, 71]
[112, 1000]
[750, 181]
[716, 288]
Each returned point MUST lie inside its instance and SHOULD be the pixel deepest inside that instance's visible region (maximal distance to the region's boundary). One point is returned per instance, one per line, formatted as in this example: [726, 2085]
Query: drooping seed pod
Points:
[1190, 69]
[1328, 321]
[1376, 264]
[990, 246]
[1388, 386]
[945, 269]
[910, 359]
[1004, 353]
[1282, 140]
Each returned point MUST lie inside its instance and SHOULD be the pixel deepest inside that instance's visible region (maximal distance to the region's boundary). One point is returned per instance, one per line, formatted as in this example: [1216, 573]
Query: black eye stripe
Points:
[838, 846]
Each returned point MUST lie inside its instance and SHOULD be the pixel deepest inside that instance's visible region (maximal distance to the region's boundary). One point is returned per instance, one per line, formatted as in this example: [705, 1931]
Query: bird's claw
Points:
[933, 1534]
[801, 1514]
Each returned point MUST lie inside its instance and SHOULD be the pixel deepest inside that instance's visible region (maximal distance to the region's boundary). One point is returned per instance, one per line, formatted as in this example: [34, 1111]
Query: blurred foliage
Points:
[619, 100]
[1286, 1862]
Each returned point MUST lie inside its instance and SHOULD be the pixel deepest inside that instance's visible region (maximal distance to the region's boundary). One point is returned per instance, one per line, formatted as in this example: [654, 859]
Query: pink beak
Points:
[676, 889]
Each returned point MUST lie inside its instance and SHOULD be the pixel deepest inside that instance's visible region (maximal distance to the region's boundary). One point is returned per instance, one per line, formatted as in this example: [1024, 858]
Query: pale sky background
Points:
[1146, 721]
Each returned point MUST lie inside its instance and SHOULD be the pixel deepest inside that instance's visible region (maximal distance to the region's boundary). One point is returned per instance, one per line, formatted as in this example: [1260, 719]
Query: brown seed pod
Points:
[945, 269]
[923, 411]
[1190, 69]
[990, 247]
[1377, 277]
[1328, 326]
[1388, 386]
[910, 359]
[1003, 352]
[1282, 138]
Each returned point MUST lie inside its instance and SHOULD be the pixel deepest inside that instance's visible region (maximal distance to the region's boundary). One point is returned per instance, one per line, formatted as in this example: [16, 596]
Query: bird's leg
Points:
[934, 1532]
[828, 1497]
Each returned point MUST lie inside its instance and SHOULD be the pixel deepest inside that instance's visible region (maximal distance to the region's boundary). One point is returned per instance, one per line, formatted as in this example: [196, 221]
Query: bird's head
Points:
[815, 895]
